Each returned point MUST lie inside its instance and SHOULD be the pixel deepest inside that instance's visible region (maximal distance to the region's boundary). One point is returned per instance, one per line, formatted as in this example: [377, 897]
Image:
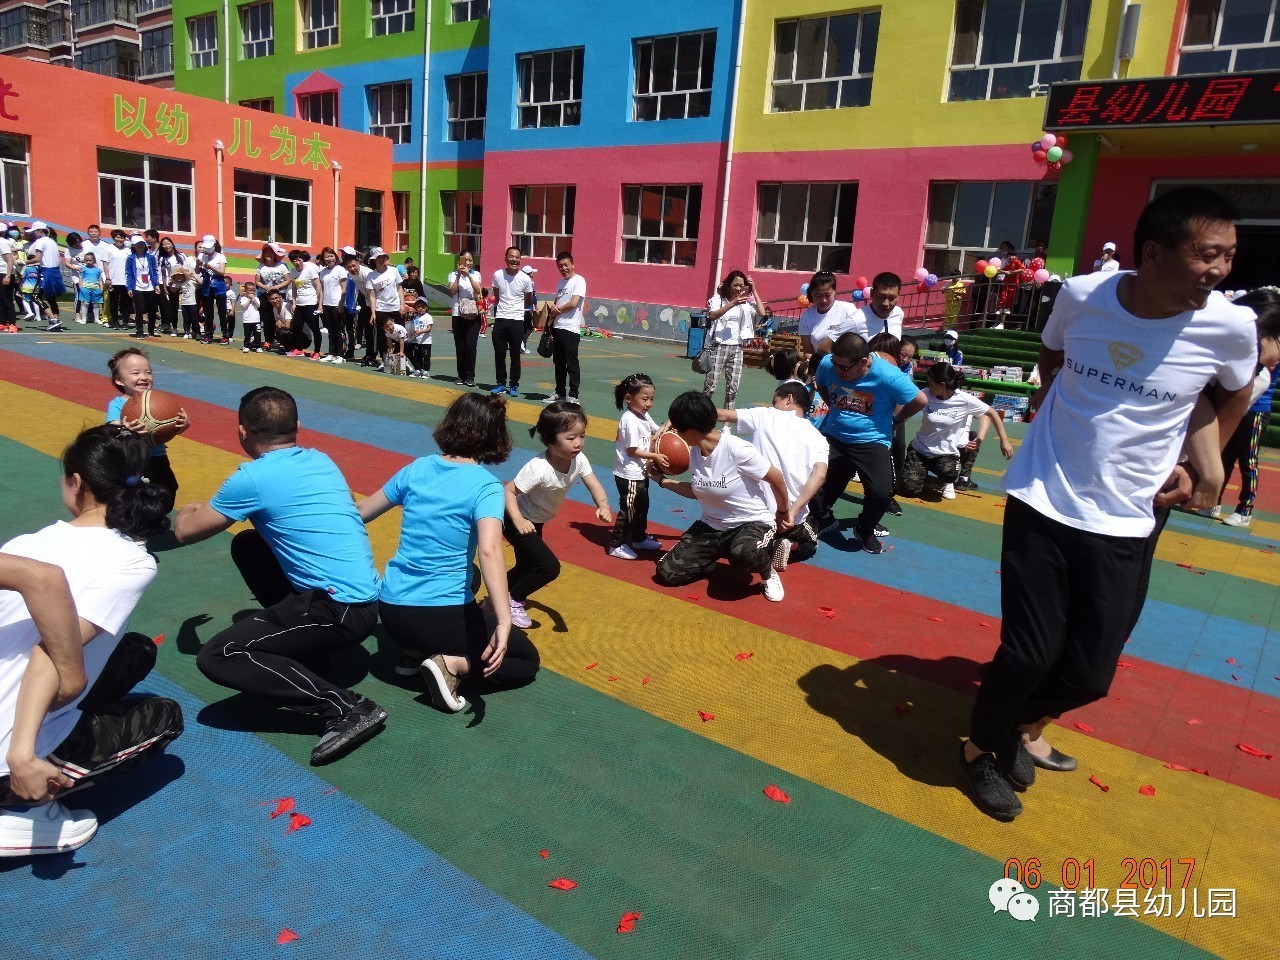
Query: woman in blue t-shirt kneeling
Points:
[453, 513]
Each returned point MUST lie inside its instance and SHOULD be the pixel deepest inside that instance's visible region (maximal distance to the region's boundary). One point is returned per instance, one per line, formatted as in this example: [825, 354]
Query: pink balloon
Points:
[995, 262]
[1041, 275]
[1048, 140]
[921, 273]
[866, 292]
[1067, 157]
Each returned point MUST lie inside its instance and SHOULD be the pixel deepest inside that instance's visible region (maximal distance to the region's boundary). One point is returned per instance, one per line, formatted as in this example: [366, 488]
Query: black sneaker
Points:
[988, 788]
[870, 542]
[344, 734]
[964, 483]
[1018, 764]
[894, 509]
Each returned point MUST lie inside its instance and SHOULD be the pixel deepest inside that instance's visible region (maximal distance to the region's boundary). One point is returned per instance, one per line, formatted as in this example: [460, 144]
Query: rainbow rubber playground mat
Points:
[641, 763]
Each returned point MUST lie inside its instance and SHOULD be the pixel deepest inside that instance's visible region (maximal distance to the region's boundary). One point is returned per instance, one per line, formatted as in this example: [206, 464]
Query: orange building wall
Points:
[67, 119]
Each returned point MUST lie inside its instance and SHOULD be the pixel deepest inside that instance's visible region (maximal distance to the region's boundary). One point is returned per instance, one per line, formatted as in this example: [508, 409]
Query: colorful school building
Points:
[125, 155]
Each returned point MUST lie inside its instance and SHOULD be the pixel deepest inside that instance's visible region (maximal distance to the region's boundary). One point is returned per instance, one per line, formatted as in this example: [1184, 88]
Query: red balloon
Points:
[1062, 140]
[980, 266]
[1026, 276]
[922, 287]
[1037, 263]
[861, 282]
[1055, 166]
[1040, 156]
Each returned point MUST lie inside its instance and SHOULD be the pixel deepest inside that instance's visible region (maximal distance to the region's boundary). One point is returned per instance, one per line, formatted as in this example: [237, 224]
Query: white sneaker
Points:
[1237, 519]
[574, 400]
[773, 587]
[258, 350]
[338, 360]
[948, 491]
[648, 543]
[326, 359]
[623, 552]
[51, 828]
[520, 616]
[554, 398]
[244, 349]
[524, 348]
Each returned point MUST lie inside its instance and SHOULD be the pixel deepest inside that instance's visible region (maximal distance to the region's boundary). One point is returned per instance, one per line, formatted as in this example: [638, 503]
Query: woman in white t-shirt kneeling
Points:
[51, 742]
[743, 497]
[944, 433]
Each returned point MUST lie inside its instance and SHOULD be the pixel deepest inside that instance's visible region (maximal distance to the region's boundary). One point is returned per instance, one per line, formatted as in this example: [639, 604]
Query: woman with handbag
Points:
[731, 316]
[566, 319]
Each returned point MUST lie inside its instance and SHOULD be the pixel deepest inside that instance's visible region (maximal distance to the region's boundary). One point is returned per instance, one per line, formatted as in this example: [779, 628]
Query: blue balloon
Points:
[857, 296]
[931, 280]
[804, 289]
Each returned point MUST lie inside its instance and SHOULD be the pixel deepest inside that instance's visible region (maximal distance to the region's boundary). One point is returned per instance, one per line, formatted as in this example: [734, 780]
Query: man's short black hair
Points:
[850, 347]
[798, 393]
[692, 410]
[269, 415]
[886, 281]
[1167, 220]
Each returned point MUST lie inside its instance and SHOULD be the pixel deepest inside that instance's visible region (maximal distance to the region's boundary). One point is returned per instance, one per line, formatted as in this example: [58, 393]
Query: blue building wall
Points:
[605, 31]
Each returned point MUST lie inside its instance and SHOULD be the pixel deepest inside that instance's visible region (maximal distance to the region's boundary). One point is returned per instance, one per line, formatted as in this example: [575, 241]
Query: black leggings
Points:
[218, 302]
[335, 321]
[536, 565]
[306, 317]
[191, 319]
[466, 335]
[168, 303]
[631, 525]
[144, 303]
[459, 631]
[419, 355]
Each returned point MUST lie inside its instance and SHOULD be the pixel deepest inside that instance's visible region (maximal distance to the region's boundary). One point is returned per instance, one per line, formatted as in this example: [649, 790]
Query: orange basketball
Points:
[158, 412]
[675, 450]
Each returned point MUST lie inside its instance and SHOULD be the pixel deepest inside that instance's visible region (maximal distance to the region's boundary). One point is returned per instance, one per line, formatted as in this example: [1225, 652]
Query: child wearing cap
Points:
[951, 344]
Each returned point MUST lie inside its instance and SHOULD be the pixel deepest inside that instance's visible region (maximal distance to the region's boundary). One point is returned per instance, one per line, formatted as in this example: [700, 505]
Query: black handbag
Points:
[546, 342]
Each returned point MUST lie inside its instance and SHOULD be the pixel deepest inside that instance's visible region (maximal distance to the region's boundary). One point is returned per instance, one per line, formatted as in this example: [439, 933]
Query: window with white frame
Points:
[202, 40]
[319, 107]
[137, 191]
[673, 76]
[157, 52]
[468, 95]
[1004, 48]
[467, 10]
[257, 31]
[389, 105]
[550, 92]
[400, 207]
[463, 212]
[15, 194]
[542, 219]
[660, 223]
[391, 16]
[272, 208]
[805, 226]
[319, 24]
[1230, 36]
[260, 103]
[821, 63]
[968, 220]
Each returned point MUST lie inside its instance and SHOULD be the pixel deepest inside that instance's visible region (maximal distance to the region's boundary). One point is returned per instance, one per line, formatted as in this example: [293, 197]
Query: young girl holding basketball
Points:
[131, 375]
[634, 397]
[535, 495]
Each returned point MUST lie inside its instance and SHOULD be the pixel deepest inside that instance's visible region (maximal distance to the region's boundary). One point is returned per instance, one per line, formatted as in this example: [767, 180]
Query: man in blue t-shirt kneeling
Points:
[307, 560]
[862, 391]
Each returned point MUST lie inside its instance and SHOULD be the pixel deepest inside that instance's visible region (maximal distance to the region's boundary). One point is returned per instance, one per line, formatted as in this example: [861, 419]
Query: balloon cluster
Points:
[1051, 151]
[1015, 271]
[802, 301]
[925, 280]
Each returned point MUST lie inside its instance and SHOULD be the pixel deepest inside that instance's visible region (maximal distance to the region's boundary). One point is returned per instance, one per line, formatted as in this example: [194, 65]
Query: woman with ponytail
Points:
[54, 742]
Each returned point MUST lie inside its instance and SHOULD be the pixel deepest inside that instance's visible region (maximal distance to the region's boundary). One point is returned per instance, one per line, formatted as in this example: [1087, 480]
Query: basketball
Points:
[158, 412]
[675, 450]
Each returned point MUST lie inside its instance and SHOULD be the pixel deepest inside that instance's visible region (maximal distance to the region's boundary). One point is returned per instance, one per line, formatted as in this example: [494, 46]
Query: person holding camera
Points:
[731, 322]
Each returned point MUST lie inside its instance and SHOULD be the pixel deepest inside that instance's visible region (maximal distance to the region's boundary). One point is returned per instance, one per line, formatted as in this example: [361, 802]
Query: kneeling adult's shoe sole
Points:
[346, 733]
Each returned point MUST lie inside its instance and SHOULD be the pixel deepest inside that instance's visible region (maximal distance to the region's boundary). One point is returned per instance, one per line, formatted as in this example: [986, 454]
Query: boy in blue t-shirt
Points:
[862, 392]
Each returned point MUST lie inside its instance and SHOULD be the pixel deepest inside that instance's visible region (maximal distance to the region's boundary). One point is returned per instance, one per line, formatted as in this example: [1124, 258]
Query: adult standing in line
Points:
[305, 279]
[307, 560]
[140, 279]
[571, 293]
[51, 285]
[273, 277]
[514, 291]
[385, 290]
[169, 260]
[213, 287]
[826, 318]
[1125, 355]
[468, 294]
[881, 313]
[118, 293]
[8, 316]
[862, 391]
[732, 311]
[355, 307]
[332, 286]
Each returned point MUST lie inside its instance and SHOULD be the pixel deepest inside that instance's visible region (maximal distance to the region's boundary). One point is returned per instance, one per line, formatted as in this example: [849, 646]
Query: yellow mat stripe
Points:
[834, 721]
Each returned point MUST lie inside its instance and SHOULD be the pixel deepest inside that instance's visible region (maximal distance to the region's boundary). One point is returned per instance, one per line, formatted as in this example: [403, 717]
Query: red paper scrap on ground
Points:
[902, 709]
[614, 679]
[744, 655]
[983, 624]
[593, 665]
[936, 619]
[1178, 766]
[828, 612]
[331, 790]
[544, 854]
[297, 821]
[1082, 727]
[1252, 751]
[283, 805]
[706, 716]
[286, 936]
[1093, 778]
[562, 883]
[628, 921]
[1147, 790]
[1231, 660]
[645, 680]
[1193, 721]
[775, 793]
[1125, 663]
[158, 639]
[693, 598]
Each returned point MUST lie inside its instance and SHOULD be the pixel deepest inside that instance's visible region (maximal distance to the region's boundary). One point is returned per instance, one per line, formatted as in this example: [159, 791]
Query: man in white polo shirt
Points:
[1123, 360]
